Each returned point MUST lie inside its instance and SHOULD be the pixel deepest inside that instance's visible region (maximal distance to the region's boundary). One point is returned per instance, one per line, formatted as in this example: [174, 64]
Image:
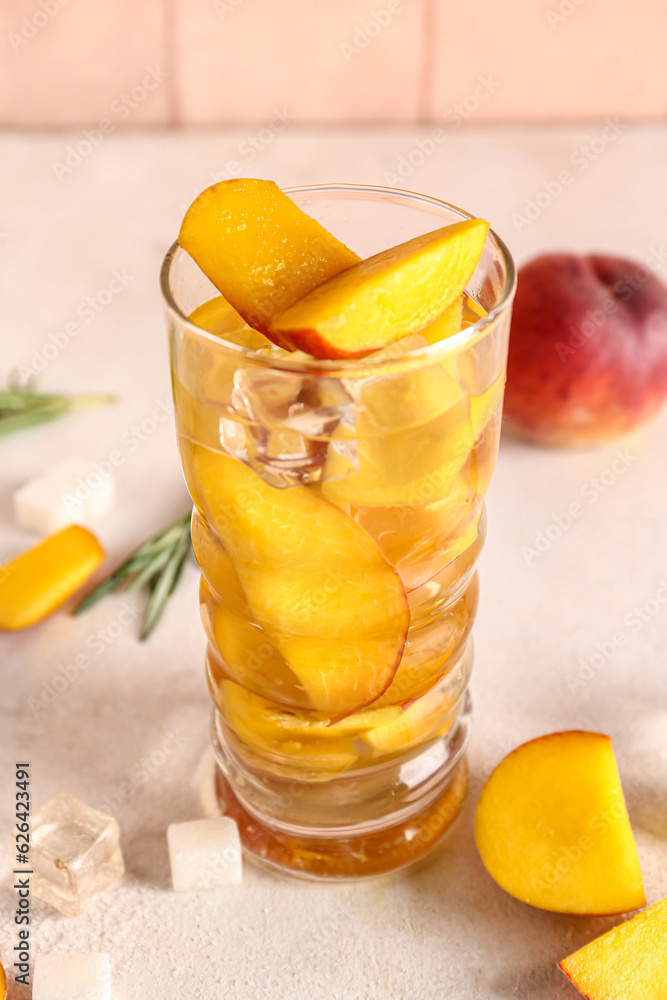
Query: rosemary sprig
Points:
[158, 563]
[22, 407]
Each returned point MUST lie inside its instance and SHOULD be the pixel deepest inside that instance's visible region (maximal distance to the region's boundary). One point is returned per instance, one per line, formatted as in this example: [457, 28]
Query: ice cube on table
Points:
[74, 853]
[204, 854]
[72, 492]
[72, 977]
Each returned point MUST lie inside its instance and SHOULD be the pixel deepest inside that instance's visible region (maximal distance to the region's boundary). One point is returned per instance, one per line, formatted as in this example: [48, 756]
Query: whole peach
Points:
[588, 349]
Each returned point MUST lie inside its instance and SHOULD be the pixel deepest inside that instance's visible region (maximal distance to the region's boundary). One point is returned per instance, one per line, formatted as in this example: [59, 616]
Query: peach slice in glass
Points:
[423, 719]
[414, 435]
[314, 580]
[385, 297]
[446, 324]
[259, 248]
[419, 541]
[207, 391]
[249, 654]
[270, 728]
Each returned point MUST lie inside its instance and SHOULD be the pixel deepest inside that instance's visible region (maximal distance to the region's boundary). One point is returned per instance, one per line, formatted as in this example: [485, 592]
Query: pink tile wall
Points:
[74, 62]
[551, 58]
[70, 62]
[327, 60]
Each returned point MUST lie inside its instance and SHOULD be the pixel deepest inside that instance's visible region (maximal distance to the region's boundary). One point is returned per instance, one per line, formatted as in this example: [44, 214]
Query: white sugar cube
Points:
[72, 977]
[204, 854]
[73, 492]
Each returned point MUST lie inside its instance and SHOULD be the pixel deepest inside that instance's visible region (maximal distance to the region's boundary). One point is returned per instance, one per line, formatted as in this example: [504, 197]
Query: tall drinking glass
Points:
[338, 520]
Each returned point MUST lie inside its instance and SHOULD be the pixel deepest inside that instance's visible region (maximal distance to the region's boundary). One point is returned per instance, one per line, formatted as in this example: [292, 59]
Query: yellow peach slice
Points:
[204, 374]
[415, 432]
[305, 741]
[248, 652]
[419, 721]
[276, 724]
[38, 581]
[446, 324]
[629, 961]
[314, 580]
[258, 248]
[552, 828]
[419, 541]
[485, 404]
[319, 755]
[473, 310]
[414, 435]
[385, 297]
[217, 568]
[218, 317]
[437, 648]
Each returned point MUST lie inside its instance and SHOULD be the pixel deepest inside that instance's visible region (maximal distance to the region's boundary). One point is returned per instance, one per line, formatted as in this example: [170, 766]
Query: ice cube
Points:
[74, 853]
[204, 854]
[265, 396]
[72, 977]
[72, 492]
[312, 406]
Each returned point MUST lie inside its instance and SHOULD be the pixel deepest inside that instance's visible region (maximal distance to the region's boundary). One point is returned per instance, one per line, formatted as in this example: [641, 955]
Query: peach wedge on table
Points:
[40, 580]
[385, 297]
[628, 962]
[259, 248]
[314, 580]
[552, 827]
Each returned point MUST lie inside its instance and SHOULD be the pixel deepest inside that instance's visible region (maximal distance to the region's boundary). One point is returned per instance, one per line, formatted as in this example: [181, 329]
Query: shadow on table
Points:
[506, 948]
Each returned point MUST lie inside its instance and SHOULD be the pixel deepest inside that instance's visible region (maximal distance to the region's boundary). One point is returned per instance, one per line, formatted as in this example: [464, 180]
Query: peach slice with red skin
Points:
[629, 961]
[277, 267]
[314, 580]
[552, 827]
[385, 297]
[259, 248]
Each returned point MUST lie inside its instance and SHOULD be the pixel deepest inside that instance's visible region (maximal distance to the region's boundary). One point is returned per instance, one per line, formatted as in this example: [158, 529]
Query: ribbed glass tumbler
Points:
[338, 520]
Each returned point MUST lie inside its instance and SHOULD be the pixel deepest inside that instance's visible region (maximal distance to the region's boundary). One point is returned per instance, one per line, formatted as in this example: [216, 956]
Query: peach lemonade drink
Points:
[338, 412]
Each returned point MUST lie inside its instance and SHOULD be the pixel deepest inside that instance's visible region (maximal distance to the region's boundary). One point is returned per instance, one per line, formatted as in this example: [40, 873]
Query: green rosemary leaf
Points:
[151, 570]
[163, 588]
[158, 562]
[109, 584]
[24, 407]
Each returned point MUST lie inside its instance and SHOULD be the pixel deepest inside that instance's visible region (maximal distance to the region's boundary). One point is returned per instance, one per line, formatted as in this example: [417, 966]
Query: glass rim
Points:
[455, 342]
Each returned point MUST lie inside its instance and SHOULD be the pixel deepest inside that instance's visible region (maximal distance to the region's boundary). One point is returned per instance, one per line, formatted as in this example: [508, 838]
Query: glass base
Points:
[357, 825]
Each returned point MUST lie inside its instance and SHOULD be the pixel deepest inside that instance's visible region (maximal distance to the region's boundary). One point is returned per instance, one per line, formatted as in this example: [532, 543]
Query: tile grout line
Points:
[428, 61]
[170, 48]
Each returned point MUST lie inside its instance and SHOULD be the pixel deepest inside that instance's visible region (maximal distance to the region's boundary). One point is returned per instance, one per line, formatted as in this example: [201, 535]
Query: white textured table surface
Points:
[446, 930]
